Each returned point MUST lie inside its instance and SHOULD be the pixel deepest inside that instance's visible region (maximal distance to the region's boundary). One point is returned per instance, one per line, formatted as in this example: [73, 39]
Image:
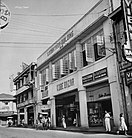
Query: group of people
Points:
[122, 127]
[45, 121]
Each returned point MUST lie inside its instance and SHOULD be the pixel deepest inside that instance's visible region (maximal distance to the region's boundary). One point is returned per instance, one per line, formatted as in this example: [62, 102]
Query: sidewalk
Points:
[87, 130]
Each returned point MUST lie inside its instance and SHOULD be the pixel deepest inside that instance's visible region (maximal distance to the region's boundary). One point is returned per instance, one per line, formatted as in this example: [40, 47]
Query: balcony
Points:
[22, 89]
[27, 102]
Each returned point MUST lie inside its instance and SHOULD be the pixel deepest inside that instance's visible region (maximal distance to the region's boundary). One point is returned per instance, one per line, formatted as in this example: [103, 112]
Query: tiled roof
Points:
[4, 96]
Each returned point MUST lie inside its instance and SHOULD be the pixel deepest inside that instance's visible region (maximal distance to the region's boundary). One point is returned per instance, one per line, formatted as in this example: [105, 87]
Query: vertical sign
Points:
[126, 5]
[4, 15]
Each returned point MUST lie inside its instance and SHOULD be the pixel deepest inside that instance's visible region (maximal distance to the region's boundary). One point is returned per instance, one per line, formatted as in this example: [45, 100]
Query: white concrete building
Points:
[77, 75]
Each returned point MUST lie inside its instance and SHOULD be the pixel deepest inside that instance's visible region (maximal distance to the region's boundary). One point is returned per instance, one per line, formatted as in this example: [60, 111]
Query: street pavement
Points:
[14, 132]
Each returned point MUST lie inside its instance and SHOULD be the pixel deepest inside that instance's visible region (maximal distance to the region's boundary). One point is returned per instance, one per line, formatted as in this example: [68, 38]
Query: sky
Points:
[33, 26]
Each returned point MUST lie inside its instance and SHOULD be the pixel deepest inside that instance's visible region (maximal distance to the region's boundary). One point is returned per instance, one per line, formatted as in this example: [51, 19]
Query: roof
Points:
[7, 97]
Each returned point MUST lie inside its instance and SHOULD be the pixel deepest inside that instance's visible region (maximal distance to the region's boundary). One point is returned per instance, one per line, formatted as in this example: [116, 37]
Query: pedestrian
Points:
[49, 122]
[107, 122]
[43, 122]
[63, 121]
[123, 126]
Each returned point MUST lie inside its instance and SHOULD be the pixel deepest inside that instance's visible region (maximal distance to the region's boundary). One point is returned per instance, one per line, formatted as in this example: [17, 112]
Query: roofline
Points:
[72, 26]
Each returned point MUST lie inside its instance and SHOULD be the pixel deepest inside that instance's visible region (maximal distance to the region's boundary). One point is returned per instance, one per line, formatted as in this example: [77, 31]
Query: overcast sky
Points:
[34, 25]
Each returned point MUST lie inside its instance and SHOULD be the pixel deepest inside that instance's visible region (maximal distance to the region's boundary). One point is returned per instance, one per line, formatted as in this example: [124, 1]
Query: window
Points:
[93, 48]
[56, 70]
[64, 66]
[72, 61]
[44, 77]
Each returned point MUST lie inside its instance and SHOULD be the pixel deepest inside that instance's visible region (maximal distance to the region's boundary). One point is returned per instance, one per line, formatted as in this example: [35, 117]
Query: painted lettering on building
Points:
[60, 44]
[65, 84]
[95, 76]
[126, 6]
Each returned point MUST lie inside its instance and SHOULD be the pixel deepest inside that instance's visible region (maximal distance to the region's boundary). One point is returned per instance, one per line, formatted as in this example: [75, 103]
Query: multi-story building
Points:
[124, 66]
[25, 94]
[78, 74]
[7, 108]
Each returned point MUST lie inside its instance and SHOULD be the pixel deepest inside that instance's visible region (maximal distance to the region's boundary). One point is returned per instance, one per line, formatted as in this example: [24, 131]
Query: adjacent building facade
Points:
[7, 108]
[25, 94]
[78, 75]
[124, 66]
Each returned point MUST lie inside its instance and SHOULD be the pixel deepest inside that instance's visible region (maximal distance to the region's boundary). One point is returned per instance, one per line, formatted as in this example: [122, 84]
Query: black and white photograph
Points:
[65, 68]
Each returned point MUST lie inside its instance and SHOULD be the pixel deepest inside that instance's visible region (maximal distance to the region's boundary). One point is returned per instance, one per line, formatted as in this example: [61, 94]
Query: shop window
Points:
[95, 114]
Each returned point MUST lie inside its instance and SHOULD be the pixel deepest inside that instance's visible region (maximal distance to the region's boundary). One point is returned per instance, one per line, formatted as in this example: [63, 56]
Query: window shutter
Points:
[101, 46]
[53, 71]
[47, 75]
[89, 52]
[61, 67]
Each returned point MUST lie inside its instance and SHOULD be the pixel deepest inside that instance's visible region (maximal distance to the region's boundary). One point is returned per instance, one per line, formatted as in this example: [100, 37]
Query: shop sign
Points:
[65, 84]
[6, 112]
[87, 78]
[125, 65]
[100, 74]
[126, 6]
[95, 76]
[128, 77]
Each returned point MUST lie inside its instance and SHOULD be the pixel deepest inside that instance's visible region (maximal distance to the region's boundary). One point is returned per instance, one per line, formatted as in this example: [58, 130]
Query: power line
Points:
[48, 15]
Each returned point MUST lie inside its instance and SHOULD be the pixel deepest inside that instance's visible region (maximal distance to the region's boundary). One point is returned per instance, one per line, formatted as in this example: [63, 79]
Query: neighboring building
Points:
[25, 94]
[7, 108]
[78, 74]
[125, 67]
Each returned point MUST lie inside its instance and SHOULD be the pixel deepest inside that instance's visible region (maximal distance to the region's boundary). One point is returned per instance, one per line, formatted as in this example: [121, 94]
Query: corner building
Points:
[77, 75]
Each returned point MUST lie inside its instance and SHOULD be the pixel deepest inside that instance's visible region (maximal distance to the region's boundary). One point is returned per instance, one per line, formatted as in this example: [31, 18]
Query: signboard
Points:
[95, 76]
[126, 5]
[65, 84]
[128, 77]
[4, 15]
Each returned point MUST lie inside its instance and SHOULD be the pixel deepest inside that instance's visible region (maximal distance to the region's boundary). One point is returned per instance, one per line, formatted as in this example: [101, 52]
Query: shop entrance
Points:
[69, 107]
[96, 112]
[30, 115]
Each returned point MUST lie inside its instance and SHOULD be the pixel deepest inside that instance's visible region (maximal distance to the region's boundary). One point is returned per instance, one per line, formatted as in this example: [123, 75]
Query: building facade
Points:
[78, 75]
[25, 94]
[124, 66]
[7, 108]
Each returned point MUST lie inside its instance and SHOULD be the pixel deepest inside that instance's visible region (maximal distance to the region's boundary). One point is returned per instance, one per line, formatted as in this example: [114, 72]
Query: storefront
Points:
[98, 96]
[68, 105]
[98, 100]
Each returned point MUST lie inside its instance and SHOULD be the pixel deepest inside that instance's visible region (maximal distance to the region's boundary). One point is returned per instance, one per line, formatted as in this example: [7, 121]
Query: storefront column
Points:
[18, 116]
[25, 115]
[83, 107]
[78, 55]
[115, 90]
[53, 113]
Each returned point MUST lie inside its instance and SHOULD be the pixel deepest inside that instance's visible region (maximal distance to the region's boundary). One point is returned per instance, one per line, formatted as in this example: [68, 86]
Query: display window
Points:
[95, 114]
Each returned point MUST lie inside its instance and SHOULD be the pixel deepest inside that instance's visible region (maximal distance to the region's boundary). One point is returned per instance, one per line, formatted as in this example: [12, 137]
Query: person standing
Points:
[63, 121]
[123, 126]
[107, 122]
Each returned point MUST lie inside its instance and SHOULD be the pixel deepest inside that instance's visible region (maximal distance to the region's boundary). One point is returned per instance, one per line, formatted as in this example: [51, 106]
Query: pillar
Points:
[83, 107]
[25, 115]
[18, 116]
[53, 112]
